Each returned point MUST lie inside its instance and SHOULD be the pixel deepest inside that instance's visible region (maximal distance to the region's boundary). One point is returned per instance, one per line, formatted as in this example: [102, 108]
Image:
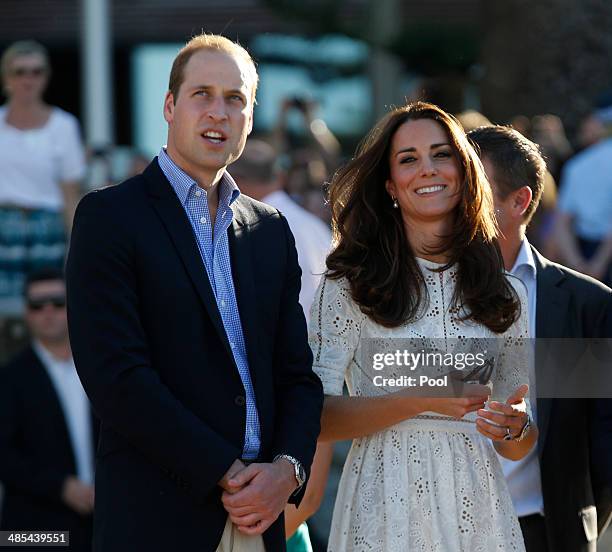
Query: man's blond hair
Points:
[215, 43]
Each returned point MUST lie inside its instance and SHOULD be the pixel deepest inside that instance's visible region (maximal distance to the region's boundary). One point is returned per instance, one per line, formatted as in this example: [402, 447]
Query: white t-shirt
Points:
[312, 242]
[76, 409]
[34, 162]
[586, 191]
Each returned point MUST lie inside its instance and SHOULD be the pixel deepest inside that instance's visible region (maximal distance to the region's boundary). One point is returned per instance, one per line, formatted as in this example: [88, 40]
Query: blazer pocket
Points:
[589, 522]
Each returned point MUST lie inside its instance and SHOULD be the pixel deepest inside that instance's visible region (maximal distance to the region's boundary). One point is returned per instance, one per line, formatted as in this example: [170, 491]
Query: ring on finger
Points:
[508, 435]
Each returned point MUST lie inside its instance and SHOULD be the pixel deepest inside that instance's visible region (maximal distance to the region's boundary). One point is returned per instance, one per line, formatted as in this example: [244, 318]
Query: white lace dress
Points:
[430, 483]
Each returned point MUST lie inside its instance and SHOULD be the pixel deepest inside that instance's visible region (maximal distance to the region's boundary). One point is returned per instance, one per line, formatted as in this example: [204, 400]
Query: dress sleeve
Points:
[334, 329]
[516, 354]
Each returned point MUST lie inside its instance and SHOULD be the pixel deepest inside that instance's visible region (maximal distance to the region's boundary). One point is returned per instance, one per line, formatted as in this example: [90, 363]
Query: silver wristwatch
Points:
[299, 471]
[524, 431]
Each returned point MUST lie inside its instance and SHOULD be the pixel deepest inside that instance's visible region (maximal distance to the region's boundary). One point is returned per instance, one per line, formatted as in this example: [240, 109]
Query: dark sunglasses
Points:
[57, 301]
[28, 71]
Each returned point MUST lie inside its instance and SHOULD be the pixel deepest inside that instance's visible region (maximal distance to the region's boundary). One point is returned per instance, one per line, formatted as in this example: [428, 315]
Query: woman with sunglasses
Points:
[42, 162]
[416, 265]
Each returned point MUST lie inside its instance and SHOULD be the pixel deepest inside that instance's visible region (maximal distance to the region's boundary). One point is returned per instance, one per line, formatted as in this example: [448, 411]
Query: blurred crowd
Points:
[46, 169]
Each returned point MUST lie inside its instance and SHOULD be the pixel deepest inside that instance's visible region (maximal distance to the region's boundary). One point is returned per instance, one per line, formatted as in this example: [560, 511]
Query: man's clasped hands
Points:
[255, 495]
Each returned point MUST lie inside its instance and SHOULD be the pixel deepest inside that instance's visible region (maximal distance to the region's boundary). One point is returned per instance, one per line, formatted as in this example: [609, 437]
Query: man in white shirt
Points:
[256, 175]
[46, 426]
[554, 488]
[584, 221]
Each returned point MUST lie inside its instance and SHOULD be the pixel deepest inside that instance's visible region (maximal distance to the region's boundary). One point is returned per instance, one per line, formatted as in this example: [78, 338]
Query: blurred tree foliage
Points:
[423, 46]
[543, 56]
[548, 56]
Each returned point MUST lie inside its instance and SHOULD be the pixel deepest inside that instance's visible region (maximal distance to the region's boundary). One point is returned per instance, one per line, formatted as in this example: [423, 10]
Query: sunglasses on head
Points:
[28, 71]
[57, 301]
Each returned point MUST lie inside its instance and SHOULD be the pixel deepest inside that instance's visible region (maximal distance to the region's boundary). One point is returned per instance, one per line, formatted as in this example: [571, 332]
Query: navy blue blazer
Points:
[151, 350]
[36, 454]
[575, 435]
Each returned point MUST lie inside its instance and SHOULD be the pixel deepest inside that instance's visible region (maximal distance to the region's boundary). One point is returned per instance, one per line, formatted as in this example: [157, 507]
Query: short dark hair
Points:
[43, 274]
[257, 163]
[517, 162]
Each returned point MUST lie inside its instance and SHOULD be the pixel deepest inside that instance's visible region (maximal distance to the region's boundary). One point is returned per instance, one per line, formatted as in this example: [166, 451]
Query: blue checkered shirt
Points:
[216, 258]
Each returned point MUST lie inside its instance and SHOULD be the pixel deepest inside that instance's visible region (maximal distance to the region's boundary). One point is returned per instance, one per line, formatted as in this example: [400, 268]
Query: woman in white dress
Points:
[416, 257]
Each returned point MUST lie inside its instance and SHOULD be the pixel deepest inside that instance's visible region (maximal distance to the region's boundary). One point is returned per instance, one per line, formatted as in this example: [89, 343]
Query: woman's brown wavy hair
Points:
[370, 245]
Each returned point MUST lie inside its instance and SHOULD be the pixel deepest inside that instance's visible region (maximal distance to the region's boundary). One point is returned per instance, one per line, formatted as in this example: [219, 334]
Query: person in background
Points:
[593, 128]
[43, 162]
[47, 431]
[553, 488]
[139, 161]
[584, 221]
[549, 133]
[471, 119]
[308, 161]
[257, 175]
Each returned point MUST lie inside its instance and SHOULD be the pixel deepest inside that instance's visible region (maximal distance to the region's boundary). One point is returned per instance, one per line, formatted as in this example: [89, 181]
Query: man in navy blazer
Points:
[47, 431]
[188, 335]
[561, 490]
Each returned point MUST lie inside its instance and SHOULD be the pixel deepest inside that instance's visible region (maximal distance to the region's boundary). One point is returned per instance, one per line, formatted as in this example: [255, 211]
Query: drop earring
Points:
[395, 203]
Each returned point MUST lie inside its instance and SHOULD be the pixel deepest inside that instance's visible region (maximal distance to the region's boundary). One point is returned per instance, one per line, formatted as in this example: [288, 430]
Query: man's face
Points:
[209, 121]
[46, 311]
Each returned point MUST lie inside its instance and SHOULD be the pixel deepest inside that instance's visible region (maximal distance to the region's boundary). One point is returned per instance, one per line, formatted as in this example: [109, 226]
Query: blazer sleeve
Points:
[601, 427]
[18, 469]
[298, 390]
[112, 355]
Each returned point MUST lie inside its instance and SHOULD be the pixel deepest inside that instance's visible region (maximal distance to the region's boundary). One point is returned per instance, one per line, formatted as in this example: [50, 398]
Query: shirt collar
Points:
[46, 357]
[182, 183]
[524, 258]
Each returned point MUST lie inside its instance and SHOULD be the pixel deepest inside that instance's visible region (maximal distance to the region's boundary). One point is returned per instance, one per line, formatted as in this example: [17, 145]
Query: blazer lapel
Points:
[551, 310]
[552, 300]
[244, 284]
[175, 220]
[49, 402]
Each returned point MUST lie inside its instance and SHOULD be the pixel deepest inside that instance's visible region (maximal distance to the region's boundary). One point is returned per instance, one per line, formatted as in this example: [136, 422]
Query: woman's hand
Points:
[457, 407]
[507, 418]
[511, 415]
[468, 397]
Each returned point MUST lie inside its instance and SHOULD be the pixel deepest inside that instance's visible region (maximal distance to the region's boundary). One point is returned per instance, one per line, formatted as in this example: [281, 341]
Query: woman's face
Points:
[26, 77]
[424, 172]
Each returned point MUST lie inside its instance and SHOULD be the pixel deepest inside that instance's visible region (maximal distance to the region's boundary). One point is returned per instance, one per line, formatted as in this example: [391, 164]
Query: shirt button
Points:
[203, 220]
[198, 193]
[222, 303]
[232, 344]
[239, 400]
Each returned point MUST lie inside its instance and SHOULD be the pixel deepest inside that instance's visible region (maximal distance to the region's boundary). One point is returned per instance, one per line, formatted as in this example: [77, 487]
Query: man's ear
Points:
[522, 200]
[169, 107]
[251, 120]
